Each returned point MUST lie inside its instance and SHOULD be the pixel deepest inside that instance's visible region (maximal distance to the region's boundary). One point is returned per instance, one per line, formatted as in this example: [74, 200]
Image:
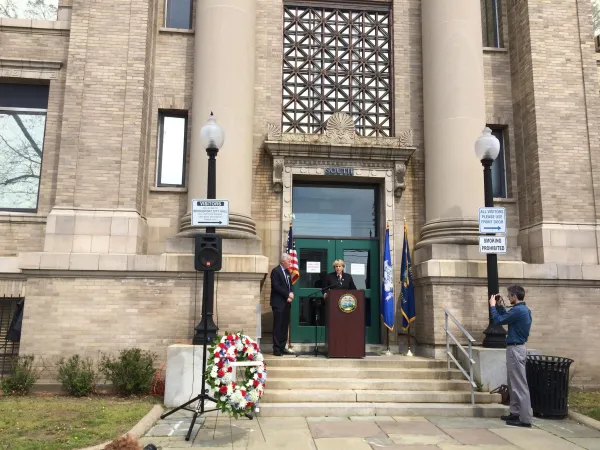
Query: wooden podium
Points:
[346, 324]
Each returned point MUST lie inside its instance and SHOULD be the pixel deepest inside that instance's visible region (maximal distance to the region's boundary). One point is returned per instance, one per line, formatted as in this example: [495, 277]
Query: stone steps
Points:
[375, 385]
[367, 384]
[374, 396]
[363, 372]
[342, 409]
[372, 362]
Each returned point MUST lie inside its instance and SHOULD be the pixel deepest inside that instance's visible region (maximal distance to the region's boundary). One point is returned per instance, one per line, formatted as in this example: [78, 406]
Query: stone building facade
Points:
[101, 106]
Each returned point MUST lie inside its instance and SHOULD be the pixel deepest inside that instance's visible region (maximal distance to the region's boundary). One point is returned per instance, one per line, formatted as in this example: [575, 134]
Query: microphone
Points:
[328, 287]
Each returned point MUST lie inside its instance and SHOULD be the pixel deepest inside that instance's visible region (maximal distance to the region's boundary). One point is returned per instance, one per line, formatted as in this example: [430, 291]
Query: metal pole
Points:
[494, 334]
[206, 330]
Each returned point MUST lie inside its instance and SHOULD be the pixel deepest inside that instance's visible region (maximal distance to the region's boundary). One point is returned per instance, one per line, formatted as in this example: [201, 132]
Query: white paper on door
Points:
[357, 269]
[313, 266]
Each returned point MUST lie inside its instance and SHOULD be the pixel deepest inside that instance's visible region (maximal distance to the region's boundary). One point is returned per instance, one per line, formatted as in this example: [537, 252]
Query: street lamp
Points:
[487, 148]
[212, 137]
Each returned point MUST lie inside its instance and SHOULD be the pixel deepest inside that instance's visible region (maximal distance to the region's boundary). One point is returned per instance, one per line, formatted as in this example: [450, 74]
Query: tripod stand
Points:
[203, 396]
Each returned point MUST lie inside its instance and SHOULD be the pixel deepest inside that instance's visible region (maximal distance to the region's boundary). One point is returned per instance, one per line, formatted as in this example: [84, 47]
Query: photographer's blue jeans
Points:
[520, 403]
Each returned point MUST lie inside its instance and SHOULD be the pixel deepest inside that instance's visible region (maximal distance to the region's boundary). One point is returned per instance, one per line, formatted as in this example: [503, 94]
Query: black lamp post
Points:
[212, 136]
[487, 148]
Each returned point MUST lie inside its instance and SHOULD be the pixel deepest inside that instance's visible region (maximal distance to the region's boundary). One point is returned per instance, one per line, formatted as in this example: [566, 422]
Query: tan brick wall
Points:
[102, 142]
[565, 318]
[84, 315]
[554, 99]
[21, 232]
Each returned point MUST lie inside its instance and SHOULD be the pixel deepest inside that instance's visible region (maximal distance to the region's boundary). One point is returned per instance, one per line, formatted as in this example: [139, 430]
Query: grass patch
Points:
[60, 423]
[587, 403]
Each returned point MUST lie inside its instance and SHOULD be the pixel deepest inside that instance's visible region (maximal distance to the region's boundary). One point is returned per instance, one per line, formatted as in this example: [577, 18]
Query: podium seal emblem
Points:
[347, 303]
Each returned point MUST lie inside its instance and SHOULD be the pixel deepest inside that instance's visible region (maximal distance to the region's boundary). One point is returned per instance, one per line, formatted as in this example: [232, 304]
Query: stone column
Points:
[454, 111]
[224, 84]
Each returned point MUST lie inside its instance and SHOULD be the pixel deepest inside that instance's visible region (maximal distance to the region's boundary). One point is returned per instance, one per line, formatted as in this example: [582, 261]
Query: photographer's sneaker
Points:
[518, 423]
[511, 416]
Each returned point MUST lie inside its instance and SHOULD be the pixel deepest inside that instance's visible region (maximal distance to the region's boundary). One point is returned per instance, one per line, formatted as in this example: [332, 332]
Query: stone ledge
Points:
[35, 24]
[165, 30]
[127, 263]
[18, 217]
[9, 264]
[507, 270]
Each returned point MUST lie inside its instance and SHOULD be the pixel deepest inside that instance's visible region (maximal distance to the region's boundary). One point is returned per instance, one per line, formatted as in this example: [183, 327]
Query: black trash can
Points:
[548, 380]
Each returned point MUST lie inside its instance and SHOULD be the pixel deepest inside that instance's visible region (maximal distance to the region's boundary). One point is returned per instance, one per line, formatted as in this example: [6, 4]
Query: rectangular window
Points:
[178, 14]
[23, 110]
[491, 23]
[30, 9]
[499, 167]
[337, 60]
[172, 144]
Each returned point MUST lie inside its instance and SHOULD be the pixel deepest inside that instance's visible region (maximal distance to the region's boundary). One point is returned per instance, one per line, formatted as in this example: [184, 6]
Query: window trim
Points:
[159, 154]
[191, 25]
[37, 199]
[496, 23]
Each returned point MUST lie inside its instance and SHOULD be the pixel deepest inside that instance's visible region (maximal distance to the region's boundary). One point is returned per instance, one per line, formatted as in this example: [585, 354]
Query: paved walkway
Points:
[369, 433]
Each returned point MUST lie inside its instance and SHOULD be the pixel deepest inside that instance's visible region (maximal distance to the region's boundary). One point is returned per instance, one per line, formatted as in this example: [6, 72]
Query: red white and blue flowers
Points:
[233, 398]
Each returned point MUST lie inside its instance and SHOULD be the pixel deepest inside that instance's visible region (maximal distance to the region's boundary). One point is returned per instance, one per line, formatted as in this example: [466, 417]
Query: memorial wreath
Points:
[235, 398]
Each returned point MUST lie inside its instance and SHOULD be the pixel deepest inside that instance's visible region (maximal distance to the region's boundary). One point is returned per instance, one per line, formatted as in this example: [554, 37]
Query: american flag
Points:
[291, 250]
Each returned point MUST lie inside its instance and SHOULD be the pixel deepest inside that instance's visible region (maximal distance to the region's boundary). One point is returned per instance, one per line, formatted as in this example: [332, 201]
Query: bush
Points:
[132, 373]
[77, 375]
[22, 377]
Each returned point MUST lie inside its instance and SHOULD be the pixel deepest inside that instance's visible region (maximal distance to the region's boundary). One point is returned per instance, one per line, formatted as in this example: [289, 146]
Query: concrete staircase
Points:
[376, 385]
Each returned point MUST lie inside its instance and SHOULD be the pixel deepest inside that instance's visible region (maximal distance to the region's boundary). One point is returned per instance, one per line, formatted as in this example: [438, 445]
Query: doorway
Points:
[315, 261]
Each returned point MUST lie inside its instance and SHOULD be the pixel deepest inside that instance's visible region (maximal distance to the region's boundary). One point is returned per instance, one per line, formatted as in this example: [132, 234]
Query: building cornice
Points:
[29, 68]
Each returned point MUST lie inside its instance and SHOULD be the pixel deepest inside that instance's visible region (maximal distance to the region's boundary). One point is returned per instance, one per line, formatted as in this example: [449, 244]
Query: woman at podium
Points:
[339, 279]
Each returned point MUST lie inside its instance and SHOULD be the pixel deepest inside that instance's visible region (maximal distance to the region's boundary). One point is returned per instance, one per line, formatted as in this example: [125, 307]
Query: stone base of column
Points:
[240, 227]
[449, 231]
[231, 246]
[560, 243]
[96, 231]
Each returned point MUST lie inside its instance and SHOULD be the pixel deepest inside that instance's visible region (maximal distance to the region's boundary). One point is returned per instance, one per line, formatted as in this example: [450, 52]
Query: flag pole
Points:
[409, 353]
[290, 347]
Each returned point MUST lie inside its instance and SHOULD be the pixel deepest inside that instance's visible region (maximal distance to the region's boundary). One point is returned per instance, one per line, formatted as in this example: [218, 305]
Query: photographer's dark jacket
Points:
[518, 320]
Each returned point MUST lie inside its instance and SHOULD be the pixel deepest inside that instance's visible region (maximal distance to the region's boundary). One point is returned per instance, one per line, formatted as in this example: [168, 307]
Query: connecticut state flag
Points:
[407, 293]
[387, 287]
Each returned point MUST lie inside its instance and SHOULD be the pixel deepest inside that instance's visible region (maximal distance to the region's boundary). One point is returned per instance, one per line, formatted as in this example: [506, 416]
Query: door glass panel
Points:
[308, 307]
[313, 267]
[357, 265]
[334, 210]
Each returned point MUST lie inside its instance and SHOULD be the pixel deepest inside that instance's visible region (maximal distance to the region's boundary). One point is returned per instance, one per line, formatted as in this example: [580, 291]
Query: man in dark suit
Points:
[281, 300]
[340, 279]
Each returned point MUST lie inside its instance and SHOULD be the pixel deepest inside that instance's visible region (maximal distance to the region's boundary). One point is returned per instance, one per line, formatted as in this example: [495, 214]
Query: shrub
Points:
[21, 378]
[77, 375]
[132, 373]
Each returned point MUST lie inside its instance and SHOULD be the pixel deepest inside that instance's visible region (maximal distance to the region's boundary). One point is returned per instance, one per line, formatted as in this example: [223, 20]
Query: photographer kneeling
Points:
[518, 320]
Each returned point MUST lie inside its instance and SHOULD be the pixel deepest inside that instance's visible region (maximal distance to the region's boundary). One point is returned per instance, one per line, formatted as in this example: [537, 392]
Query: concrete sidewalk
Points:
[368, 433]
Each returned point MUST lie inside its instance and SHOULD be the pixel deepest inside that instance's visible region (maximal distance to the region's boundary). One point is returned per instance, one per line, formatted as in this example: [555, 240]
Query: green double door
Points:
[315, 261]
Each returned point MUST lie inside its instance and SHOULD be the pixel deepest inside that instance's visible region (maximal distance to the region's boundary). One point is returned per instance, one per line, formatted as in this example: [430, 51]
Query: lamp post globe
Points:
[487, 146]
[213, 137]
[487, 149]
[211, 134]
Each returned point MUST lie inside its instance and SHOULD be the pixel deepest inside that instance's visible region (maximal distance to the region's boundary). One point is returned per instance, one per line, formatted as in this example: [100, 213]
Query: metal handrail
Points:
[468, 354]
